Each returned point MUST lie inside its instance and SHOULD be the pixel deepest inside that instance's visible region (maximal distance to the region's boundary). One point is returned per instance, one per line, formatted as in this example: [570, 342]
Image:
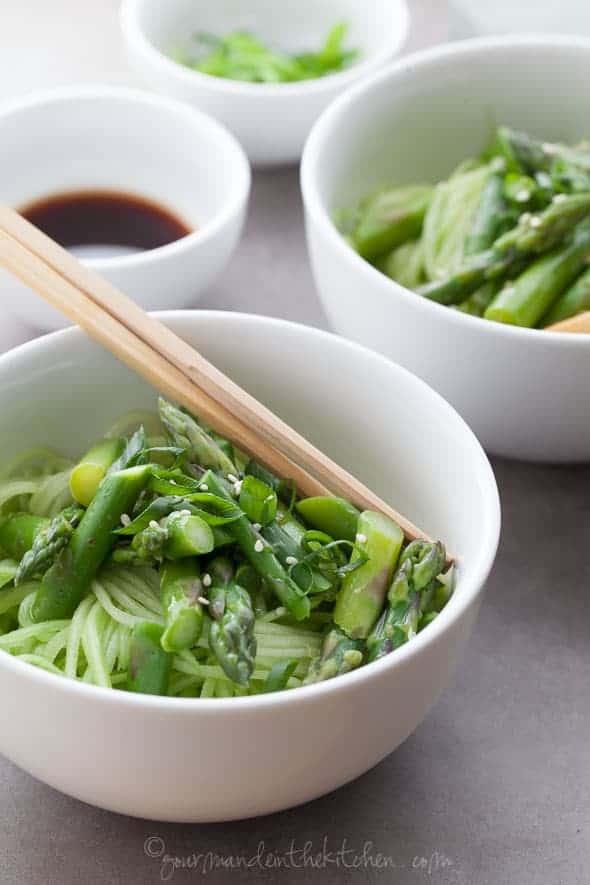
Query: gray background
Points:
[493, 788]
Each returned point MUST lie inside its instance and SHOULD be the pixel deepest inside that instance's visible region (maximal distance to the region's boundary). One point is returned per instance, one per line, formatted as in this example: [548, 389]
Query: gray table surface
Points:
[492, 789]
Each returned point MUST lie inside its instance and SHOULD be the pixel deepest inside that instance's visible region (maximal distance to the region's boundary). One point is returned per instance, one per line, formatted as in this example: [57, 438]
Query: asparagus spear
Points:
[391, 218]
[489, 216]
[133, 451]
[149, 664]
[477, 303]
[17, 533]
[528, 299]
[527, 154]
[533, 235]
[261, 555]
[362, 593]
[404, 264]
[92, 468]
[419, 565]
[521, 152]
[178, 535]
[48, 542]
[258, 500]
[573, 300]
[339, 655]
[187, 434]
[231, 634]
[65, 583]
[335, 516]
[181, 588]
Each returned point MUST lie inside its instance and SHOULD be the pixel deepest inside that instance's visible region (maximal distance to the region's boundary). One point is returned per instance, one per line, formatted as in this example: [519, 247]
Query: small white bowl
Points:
[524, 392]
[211, 760]
[272, 121]
[117, 139]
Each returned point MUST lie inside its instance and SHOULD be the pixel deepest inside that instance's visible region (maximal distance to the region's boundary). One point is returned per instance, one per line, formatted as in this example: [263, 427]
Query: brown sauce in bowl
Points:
[105, 222]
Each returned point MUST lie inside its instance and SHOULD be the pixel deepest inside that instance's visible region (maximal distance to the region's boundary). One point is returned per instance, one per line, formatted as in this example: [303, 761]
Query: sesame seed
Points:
[185, 513]
[238, 486]
[202, 600]
[549, 148]
[535, 221]
[526, 216]
[259, 546]
[154, 524]
[125, 519]
[523, 196]
[204, 487]
[256, 526]
[362, 539]
[559, 198]
[291, 560]
[206, 580]
[232, 478]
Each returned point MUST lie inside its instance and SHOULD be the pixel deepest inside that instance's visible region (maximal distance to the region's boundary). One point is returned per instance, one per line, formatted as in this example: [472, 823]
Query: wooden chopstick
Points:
[174, 367]
[579, 323]
[138, 356]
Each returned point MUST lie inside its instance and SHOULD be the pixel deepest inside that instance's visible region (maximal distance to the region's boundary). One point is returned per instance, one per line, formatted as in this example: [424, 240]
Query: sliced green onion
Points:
[258, 500]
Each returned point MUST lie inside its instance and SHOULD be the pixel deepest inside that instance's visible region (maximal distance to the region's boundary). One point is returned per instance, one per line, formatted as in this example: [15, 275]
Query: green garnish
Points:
[242, 56]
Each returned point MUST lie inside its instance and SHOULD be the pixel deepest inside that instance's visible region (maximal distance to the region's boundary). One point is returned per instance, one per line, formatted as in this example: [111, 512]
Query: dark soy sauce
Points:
[105, 223]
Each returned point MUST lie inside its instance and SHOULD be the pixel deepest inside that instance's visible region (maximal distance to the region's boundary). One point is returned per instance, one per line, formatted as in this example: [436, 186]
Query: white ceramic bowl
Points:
[94, 138]
[524, 392]
[271, 120]
[211, 760]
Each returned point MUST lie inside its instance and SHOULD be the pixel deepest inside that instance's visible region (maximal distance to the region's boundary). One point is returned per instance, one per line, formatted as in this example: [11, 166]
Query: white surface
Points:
[524, 392]
[118, 139]
[47, 43]
[470, 18]
[203, 760]
[271, 121]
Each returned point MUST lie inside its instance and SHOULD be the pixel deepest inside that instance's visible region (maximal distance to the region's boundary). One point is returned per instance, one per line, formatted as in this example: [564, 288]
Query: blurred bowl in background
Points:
[272, 121]
[524, 392]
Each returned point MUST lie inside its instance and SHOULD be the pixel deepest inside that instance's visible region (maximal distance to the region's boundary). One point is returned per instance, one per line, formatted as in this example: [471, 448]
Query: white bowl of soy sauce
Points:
[149, 192]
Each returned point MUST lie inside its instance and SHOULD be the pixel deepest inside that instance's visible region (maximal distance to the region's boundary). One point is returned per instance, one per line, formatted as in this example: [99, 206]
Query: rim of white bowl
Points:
[234, 203]
[458, 603]
[319, 139]
[129, 16]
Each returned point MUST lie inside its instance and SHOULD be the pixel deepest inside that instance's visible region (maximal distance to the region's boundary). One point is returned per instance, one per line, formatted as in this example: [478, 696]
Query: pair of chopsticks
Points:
[174, 368]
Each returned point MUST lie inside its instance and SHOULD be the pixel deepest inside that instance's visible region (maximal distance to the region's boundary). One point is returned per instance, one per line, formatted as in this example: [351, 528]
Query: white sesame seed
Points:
[232, 478]
[291, 560]
[206, 580]
[185, 513]
[125, 519]
[535, 221]
[259, 546]
[523, 196]
[549, 148]
[154, 524]
[238, 486]
[559, 198]
[256, 526]
[362, 539]
[526, 216]
[204, 487]
[202, 600]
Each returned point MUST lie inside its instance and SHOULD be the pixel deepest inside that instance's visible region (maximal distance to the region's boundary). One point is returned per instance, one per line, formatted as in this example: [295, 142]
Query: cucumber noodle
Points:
[93, 646]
